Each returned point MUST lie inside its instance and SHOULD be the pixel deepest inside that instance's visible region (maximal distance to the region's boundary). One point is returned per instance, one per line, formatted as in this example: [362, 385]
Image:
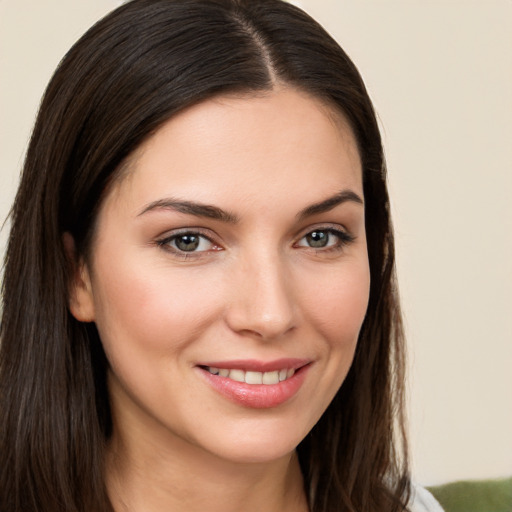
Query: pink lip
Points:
[258, 396]
[253, 365]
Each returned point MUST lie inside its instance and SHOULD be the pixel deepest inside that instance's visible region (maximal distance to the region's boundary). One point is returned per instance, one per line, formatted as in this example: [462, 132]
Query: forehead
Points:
[282, 139]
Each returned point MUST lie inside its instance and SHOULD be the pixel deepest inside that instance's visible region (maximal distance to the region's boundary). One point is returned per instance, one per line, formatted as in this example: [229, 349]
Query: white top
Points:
[423, 501]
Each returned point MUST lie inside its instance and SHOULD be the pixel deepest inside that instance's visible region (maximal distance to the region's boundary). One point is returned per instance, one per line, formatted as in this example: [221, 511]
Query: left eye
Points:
[188, 242]
[323, 238]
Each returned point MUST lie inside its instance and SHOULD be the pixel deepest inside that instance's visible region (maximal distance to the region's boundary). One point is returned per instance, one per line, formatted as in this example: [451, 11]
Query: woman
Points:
[199, 305]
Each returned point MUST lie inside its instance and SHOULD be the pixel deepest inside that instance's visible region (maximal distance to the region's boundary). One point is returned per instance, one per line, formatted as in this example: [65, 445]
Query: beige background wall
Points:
[440, 74]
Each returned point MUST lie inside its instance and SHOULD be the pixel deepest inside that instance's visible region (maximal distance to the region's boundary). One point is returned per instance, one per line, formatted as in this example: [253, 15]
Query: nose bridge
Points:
[263, 302]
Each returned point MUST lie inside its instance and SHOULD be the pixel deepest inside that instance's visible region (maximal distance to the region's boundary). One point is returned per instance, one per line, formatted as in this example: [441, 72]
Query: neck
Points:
[147, 477]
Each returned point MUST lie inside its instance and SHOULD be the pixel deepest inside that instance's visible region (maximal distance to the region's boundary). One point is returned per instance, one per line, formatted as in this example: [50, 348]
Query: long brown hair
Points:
[126, 76]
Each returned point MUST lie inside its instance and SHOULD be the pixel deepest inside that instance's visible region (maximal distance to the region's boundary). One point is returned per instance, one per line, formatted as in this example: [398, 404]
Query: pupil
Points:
[317, 239]
[187, 242]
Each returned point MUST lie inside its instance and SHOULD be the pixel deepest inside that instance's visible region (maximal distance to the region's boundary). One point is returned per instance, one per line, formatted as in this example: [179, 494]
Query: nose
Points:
[262, 301]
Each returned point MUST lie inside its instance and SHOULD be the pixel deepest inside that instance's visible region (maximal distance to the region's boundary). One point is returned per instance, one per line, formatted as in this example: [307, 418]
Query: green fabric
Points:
[475, 496]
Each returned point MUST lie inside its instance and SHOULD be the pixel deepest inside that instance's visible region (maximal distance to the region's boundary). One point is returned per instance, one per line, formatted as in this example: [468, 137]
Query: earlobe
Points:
[81, 303]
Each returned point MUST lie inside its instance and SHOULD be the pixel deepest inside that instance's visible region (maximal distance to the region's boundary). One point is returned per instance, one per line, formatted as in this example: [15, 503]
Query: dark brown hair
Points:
[126, 76]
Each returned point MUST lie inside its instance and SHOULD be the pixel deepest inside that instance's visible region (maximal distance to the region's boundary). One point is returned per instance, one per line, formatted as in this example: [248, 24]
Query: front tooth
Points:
[224, 372]
[282, 374]
[253, 377]
[238, 375]
[271, 377]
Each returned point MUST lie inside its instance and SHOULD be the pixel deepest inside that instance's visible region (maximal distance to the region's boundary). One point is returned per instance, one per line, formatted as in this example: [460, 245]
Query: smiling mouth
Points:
[257, 384]
[251, 377]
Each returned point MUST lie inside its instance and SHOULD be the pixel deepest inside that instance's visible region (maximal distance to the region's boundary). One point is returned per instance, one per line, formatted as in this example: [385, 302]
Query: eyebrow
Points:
[214, 212]
[330, 203]
[192, 208]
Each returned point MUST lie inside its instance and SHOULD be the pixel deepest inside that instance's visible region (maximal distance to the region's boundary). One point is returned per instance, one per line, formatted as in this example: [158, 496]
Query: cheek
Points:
[144, 310]
[339, 308]
[336, 314]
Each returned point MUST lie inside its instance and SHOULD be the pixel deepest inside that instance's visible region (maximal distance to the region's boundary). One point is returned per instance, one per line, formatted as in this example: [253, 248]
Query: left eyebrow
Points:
[330, 203]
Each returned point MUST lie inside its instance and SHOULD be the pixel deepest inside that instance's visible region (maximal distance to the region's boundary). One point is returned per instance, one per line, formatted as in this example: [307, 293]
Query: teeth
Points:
[270, 378]
[254, 377]
[238, 375]
[250, 377]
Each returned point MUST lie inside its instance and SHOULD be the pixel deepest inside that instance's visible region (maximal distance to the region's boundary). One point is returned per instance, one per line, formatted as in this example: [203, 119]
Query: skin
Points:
[255, 290]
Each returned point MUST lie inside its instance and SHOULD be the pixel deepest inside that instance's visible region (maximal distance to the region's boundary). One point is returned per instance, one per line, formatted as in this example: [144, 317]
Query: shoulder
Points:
[422, 501]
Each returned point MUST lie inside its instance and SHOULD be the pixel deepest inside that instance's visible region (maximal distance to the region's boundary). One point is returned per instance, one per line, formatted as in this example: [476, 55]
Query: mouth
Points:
[252, 377]
[254, 384]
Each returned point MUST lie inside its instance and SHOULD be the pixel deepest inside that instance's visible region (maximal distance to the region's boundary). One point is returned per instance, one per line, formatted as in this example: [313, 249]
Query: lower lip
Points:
[257, 396]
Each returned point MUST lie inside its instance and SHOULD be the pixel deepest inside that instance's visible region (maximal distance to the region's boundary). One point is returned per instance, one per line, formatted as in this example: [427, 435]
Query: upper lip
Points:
[258, 366]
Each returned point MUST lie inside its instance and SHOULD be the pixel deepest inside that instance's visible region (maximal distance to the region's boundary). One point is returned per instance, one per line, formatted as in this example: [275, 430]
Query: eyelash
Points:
[164, 243]
[344, 239]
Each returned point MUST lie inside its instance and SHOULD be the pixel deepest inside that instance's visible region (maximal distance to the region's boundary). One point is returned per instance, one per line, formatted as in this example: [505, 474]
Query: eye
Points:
[188, 242]
[327, 238]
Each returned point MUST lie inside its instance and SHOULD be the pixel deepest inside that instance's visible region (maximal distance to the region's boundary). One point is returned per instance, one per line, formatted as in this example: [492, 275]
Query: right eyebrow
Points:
[191, 208]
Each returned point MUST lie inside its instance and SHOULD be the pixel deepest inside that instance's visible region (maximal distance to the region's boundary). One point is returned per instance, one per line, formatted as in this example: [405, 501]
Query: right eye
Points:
[188, 242]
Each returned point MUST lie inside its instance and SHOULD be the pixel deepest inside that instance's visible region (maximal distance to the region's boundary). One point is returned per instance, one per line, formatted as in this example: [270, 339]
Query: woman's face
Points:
[233, 250]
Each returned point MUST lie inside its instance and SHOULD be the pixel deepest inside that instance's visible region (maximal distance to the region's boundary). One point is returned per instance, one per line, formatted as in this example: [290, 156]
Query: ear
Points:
[81, 303]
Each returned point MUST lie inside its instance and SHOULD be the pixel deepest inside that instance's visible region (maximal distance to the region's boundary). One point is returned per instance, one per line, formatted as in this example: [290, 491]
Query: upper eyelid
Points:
[335, 231]
[165, 240]
[164, 243]
[323, 227]
[216, 239]
[167, 235]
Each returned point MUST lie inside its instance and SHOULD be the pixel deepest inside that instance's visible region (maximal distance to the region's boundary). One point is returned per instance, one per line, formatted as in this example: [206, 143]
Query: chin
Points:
[258, 444]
